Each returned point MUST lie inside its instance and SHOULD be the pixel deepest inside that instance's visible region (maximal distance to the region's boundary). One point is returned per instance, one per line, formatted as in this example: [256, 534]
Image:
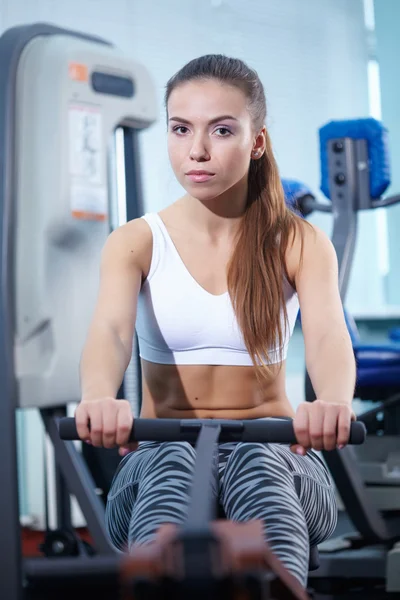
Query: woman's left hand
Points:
[322, 425]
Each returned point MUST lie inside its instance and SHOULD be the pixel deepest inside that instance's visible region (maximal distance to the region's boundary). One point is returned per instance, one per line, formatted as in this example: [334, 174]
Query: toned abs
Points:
[212, 392]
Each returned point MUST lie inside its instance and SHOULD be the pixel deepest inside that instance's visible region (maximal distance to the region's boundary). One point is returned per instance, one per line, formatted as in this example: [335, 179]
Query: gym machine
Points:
[56, 181]
[205, 557]
[65, 97]
[355, 173]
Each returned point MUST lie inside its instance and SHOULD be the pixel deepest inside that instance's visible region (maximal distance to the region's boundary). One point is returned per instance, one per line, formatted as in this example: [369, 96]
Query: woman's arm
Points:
[108, 346]
[329, 353]
[330, 360]
[100, 417]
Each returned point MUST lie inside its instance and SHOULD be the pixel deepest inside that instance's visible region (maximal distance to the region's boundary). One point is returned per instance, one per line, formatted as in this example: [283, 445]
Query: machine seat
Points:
[378, 365]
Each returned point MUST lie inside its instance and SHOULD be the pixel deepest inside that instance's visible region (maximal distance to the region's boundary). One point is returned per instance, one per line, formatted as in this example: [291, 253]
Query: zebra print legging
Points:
[293, 495]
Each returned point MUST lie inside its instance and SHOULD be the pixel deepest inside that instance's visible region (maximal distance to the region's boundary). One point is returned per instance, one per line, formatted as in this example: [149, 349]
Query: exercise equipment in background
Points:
[355, 172]
[71, 105]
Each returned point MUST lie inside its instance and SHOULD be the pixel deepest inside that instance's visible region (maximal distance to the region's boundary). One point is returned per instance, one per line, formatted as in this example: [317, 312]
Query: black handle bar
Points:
[270, 430]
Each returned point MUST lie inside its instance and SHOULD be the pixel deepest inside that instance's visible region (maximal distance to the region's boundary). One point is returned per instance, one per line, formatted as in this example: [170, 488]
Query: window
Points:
[374, 97]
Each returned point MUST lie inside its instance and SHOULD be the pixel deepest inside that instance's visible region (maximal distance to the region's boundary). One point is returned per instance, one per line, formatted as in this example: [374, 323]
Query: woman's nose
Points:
[199, 150]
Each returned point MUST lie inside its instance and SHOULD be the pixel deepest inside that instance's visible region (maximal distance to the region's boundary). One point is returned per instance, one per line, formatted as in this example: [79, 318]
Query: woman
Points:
[213, 283]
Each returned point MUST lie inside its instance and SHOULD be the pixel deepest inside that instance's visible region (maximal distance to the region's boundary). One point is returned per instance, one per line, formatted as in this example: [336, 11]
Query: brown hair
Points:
[257, 267]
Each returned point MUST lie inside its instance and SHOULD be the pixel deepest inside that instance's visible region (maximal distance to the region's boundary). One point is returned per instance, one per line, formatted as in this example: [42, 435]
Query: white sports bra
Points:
[179, 322]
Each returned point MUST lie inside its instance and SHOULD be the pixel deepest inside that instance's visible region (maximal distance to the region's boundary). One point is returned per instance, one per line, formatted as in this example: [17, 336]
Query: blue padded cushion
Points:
[394, 334]
[295, 190]
[377, 365]
[378, 150]
[382, 376]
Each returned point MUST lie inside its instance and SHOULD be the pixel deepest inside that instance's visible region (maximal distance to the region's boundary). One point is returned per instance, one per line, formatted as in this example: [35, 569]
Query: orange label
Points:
[90, 216]
[78, 72]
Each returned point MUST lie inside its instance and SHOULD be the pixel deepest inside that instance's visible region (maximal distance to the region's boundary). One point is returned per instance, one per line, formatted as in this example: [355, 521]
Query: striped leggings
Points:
[293, 495]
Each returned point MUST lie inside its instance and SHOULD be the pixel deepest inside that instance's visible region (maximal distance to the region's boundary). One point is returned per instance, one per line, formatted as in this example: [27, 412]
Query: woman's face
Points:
[210, 132]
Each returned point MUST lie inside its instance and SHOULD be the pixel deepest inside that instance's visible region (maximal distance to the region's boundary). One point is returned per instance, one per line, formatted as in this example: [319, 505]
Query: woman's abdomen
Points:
[207, 391]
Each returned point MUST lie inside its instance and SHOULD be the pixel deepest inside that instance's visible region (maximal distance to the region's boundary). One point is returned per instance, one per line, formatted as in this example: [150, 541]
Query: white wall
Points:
[311, 56]
[387, 15]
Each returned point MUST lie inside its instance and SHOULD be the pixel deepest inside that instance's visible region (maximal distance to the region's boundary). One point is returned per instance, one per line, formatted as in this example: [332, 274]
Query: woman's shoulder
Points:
[135, 232]
[306, 242]
[132, 240]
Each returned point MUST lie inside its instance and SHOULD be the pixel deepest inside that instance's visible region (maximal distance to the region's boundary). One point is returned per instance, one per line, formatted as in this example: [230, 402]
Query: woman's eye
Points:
[182, 130]
[179, 127]
[225, 129]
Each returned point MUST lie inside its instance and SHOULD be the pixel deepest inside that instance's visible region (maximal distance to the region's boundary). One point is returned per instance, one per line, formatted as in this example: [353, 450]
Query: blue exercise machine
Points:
[355, 173]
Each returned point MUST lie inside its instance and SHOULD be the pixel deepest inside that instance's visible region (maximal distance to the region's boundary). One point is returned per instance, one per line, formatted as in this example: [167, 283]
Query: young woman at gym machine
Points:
[213, 284]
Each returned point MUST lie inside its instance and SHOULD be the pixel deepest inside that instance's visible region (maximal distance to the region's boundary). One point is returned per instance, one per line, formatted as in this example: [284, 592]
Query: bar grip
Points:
[281, 431]
[271, 430]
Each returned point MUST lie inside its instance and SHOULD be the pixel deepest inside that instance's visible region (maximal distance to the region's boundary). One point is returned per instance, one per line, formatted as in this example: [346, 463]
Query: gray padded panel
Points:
[64, 133]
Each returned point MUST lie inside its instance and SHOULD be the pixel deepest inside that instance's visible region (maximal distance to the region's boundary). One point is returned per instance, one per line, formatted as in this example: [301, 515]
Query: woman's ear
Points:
[259, 143]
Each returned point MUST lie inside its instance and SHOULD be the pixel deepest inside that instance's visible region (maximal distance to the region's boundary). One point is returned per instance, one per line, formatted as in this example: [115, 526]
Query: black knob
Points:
[338, 147]
[340, 178]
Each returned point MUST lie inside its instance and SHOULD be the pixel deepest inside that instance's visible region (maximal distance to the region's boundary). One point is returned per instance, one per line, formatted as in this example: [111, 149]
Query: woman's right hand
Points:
[105, 422]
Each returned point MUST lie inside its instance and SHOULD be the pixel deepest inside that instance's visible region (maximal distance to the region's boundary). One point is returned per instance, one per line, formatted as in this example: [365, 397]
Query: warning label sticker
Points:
[88, 191]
